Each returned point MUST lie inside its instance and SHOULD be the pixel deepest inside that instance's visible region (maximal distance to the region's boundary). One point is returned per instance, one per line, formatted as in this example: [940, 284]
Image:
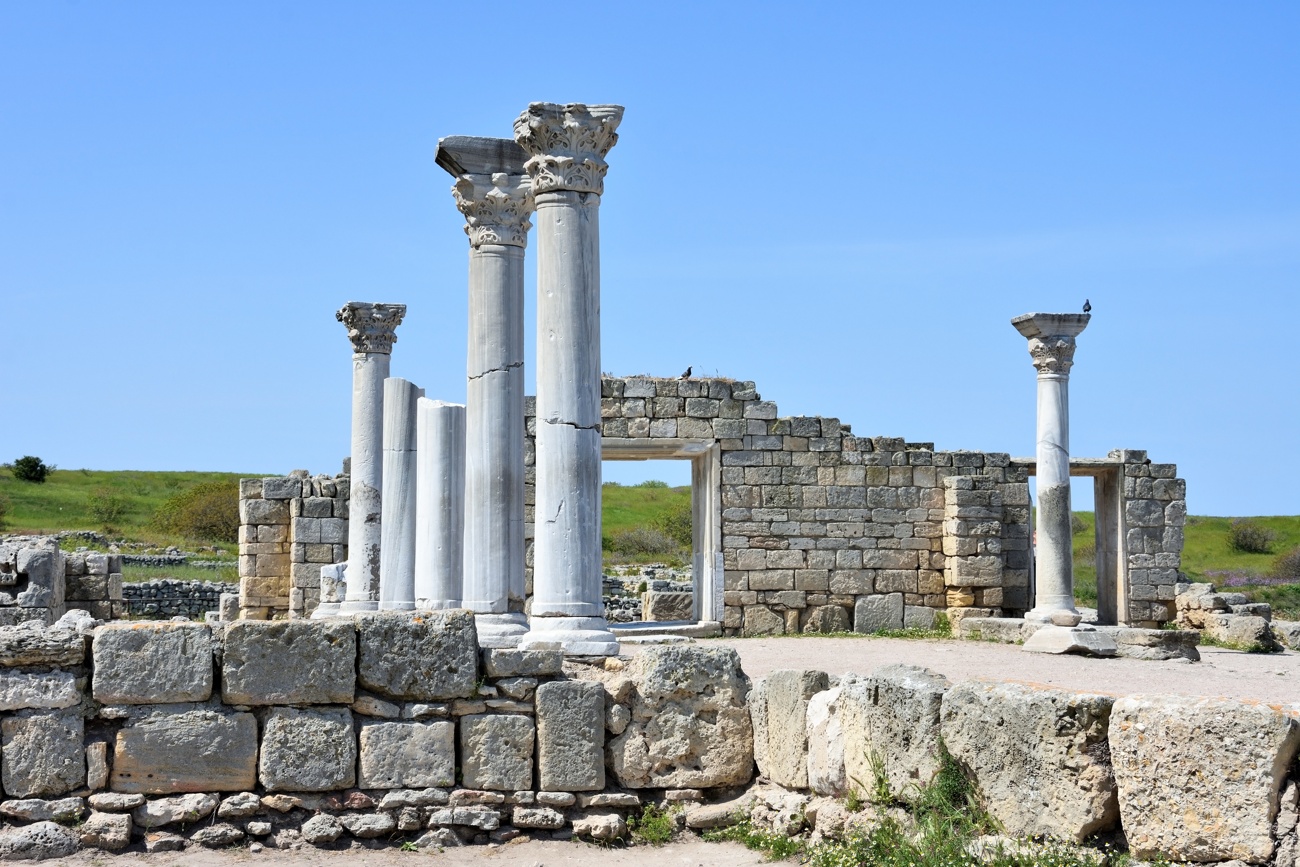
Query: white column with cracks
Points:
[397, 551]
[371, 328]
[439, 504]
[1051, 346]
[567, 145]
[495, 196]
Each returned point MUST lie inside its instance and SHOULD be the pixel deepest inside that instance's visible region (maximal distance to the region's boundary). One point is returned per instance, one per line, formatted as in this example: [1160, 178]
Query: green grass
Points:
[1206, 548]
[624, 507]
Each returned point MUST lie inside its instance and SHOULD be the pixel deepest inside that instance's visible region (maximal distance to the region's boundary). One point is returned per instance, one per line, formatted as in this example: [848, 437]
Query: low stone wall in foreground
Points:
[393, 726]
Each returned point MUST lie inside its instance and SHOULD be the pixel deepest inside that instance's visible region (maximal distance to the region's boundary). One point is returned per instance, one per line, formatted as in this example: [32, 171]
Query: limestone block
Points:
[186, 749]
[32, 645]
[1037, 755]
[240, 806]
[1199, 777]
[289, 662]
[217, 836]
[690, 725]
[875, 613]
[367, 826]
[663, 606]
[43, 565]
[322, 829]
[398, 755]
[600, 826]
[178, 808]
[522, 663]
[20, 690]
[429, 656]
[537, 817]
[1241, 632]
[152, 663]
[115, 802]
[825, 727]
[1071, 639]
[1287, 633]
[41, 810]
[786, 708]
[38, 842]
[761, 620]
[570, 736]
[892, 717]
[826, 618]
[918, 617]
[497, 751]
[111, 831]
[307, 750]
[42, 753]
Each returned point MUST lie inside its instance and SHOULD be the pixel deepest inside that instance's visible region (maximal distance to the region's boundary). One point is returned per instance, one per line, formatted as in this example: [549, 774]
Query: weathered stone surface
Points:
[874, 613]
[1071, 639]
[429, 656]
[115, 802]
[1287, 633]
[690, 726]
[1007, 630]
[38, 842]
[1244, 633]
[405, 754]
[111, 831]
[152, 663]
[400, 798]
[785, 706]
[40, 810]
[825, 715]
[484, 818]
[892, 717]
[1156, 644]
[308, 750]
[177, 808]
[827, 618]
[186, 749]
[720, 815]
[280, 662]
[571, 736]
[537, 817]
[522, 663]
[497, 751]
[43, 564]
[96, 765]
[42, 753]
[218, 836]
[666, 606]
[1038, 756]
[367, 826]
[600, 826]
[240, 806]
[163, 841]
[1198, 777]
[29, 644]
[322, 829]
[761, 620]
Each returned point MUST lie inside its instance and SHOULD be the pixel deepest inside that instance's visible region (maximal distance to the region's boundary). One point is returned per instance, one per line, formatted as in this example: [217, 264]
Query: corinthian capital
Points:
[568, 144]
[1052, 355]
[496, 208]
[371, 327]
[1051, 339]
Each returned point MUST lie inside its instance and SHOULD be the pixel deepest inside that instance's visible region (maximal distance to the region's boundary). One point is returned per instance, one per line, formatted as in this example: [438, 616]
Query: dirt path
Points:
[1268, 677]
[521, 853]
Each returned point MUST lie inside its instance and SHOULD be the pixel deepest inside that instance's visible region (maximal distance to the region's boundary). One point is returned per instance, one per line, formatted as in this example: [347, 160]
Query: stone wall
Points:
[170, 597]
[32, 582]
[289, 528]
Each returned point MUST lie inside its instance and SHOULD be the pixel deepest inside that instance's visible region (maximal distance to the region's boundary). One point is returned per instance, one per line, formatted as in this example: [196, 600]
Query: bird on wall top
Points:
[687, 374]
[1087, 306]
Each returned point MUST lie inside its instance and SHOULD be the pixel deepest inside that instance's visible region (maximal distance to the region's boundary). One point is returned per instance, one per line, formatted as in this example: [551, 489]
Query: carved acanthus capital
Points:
[371, 327]
[496, 208]
[1053, 355]
[568, 144]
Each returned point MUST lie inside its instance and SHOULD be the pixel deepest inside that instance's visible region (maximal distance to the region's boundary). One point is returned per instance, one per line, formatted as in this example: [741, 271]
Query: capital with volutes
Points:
[1052, 340]
[371, 327]
[496, 206]
[567, 145]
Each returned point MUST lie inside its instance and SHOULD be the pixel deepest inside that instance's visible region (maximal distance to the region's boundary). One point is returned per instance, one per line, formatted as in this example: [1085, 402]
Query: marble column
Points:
[495, 195]
[1051, 346]
[371, 328]
[397, 552]
[440, 504]
[567, 145]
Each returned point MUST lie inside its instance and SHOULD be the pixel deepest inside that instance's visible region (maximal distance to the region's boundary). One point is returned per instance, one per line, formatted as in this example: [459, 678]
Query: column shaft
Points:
[1055, 546]
[369, 370]
[440, 504]
[397, 553]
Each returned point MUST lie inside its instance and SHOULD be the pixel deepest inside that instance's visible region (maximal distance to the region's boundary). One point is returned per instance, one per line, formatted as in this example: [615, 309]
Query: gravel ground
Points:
[1271, 677]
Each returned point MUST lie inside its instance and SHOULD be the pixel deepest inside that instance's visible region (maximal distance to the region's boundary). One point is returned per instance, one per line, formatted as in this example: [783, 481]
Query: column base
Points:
[1054, 616]
[396, 606]
[577, 636]
[1084, 640]
[500, 630]
[352, 606]
[437, 604]
[326, 609]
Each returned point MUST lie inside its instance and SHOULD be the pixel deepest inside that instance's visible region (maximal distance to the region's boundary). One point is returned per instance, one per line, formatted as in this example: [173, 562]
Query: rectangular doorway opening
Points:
[661, 521]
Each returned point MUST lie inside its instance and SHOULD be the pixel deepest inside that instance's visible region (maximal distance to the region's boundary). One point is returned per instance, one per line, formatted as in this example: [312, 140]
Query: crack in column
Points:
[572, 424]
[511, 366]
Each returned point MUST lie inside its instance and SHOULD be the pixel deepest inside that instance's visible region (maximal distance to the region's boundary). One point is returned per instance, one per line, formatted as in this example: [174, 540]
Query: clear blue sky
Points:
[846, 203]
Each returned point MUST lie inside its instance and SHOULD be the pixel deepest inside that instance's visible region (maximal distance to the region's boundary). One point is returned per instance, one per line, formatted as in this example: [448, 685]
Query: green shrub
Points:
[653, 826]
[1077, 525]
[652, 483]
[642, 540]
[107, 506]
[1285, 567]
[677, 524]
[1250, 537]
[30, 468]
[207, 512]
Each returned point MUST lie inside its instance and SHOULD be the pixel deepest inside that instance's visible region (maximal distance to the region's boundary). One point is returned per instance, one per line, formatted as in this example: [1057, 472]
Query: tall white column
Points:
[567, 146]
[440, 503]
[495, 196]
[371, 329]
[1051, 346]
[397, 553]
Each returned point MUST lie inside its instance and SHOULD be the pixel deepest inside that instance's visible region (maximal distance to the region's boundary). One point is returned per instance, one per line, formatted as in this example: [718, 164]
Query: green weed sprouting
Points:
[653, 826]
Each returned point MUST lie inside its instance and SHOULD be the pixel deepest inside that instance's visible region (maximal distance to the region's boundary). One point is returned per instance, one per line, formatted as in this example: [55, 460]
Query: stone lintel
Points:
[1051, 324]
[474, 155]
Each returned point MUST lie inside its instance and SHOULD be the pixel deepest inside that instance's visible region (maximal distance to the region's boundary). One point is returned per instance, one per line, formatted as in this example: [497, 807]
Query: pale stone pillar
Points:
[1051, 345]
[397, 554]
[371, 329]
[440, 503]
[495, 196]
[567, 146]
